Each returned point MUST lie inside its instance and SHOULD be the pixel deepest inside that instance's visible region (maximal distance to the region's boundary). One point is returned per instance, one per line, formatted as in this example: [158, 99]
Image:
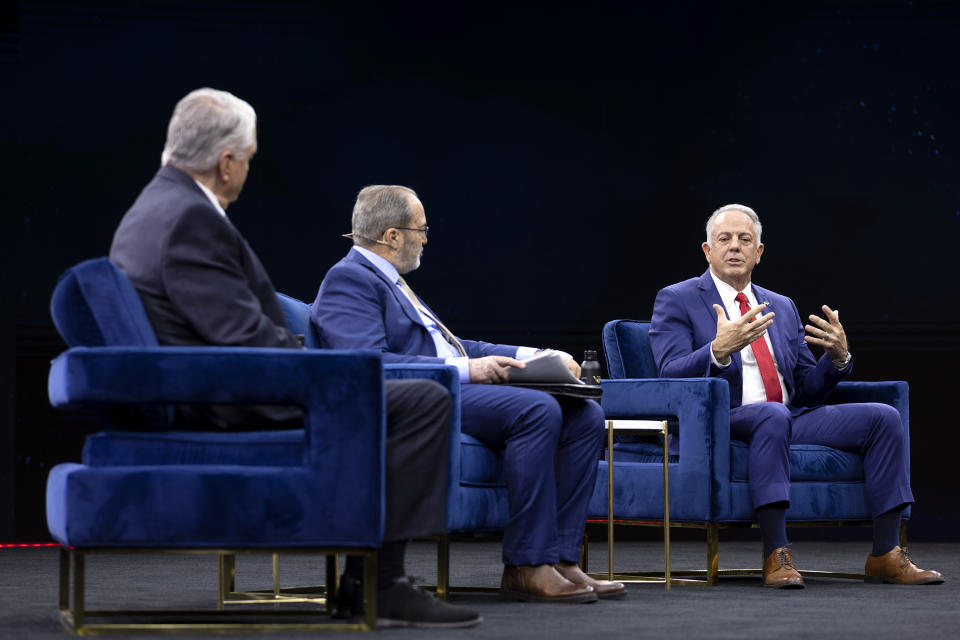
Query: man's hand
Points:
[571, 364]
[492, 369]
[828, 333]
[732, 336]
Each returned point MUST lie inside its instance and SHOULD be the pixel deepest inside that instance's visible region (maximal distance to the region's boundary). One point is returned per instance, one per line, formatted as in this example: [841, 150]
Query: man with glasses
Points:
[550, 445]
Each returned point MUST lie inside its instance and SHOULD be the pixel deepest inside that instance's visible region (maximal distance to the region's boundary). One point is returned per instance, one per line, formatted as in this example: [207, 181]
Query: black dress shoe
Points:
[403, 605]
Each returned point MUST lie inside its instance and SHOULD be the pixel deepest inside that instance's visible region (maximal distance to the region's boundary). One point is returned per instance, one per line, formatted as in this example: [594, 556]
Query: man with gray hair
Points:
[722, 325]
[550, 445]
[202, 284]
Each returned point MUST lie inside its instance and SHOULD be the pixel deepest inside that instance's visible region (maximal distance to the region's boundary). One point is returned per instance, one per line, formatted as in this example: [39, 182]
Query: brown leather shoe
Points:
[779, 572]
[896, 567]
[542, 584]
[605, 589]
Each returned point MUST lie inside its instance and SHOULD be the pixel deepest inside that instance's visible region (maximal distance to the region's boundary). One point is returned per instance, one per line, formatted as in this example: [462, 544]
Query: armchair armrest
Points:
[341, 393]
[702, 406]
[894, 393]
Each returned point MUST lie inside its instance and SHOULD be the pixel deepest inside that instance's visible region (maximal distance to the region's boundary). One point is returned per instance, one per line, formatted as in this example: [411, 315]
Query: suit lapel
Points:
[401, 299]
[776, 330]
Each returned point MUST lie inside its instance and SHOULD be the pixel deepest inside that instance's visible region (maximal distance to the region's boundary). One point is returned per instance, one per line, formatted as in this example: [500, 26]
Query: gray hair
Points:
[742, 208]
[378, 208]
[205, 123]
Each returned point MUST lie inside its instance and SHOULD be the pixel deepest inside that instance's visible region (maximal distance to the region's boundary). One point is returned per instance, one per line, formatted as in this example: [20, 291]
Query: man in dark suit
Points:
[202, 284]
[716, 325]
[551, 445]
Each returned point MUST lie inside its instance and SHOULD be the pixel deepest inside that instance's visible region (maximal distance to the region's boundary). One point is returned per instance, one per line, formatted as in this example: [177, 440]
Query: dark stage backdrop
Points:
[567, 158]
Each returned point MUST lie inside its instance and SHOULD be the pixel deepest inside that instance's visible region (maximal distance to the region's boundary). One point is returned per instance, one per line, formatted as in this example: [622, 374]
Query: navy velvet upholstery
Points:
[476, 486]
[227, 504]
[94, 304]
[321, 486]
[709, 479]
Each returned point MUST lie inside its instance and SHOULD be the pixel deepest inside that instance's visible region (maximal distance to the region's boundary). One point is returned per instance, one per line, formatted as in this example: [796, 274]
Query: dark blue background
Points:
[567, 158]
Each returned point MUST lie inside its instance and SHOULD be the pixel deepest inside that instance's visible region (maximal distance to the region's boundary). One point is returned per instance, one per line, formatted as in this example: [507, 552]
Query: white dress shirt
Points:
[753, 390]
[213, 199]
[445, 350]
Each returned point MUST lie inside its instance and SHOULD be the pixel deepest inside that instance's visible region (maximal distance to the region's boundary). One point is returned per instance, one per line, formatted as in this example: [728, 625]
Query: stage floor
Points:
[737, 608]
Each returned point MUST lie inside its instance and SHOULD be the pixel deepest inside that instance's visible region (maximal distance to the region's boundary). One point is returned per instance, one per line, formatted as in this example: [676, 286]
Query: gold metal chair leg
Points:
[222, 580]
[609, 500]
[226, 577]
[64, 604]
[79, 586]
[585, 552]
[443, 566]
[370, 589]
[276, 575]
[231, 574]
[666, 507]
[713, 554]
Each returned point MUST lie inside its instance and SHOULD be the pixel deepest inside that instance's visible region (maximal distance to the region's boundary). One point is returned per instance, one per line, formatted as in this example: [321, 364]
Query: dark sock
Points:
[390, 563]
[354, 567]
[886, 532]
[772, 519]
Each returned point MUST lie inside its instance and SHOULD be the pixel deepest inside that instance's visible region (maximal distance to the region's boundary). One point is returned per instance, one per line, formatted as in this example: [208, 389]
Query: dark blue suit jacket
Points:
[199, 280]
[684, 324]
[358, 307]
[201, 284]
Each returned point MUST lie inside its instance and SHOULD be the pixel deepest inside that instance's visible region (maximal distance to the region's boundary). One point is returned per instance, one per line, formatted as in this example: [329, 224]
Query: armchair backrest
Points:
[94, 304]
[297, 314]
[626, 345]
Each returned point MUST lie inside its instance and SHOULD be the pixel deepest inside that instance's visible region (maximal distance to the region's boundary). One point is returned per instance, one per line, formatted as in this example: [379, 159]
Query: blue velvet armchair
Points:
[95, 304]
[708, 471]
[316, 490]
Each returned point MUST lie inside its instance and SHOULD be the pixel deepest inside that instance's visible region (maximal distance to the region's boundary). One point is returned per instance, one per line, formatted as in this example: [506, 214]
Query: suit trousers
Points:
[871, 429]
[551, 446]
[418, 452]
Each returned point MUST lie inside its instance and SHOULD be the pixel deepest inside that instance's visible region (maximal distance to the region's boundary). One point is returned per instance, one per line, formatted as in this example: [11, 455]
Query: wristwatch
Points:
[842, 364]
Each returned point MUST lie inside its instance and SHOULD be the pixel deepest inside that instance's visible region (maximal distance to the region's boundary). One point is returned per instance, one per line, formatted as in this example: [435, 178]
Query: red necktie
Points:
[768, 370]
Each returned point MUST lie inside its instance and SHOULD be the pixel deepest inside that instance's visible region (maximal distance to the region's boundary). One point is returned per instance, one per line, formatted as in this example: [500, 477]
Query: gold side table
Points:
[639, 426]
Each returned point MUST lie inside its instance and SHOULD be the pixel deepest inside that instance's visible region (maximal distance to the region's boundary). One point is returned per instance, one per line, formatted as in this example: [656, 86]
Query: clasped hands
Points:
[734, 335]
[493, 369]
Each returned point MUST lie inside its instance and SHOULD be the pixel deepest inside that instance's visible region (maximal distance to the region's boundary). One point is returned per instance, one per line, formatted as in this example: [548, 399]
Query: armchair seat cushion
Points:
[640, 452]
[257, 448]
[199, 506]
[808, 463]
[480, 466]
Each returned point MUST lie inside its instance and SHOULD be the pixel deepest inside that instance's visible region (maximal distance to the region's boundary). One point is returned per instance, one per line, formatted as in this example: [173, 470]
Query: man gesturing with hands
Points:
[722, 325]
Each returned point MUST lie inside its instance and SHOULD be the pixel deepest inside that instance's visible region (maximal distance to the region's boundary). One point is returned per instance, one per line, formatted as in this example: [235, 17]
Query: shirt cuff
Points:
[463, 366]
[525, 353]
[713, 359]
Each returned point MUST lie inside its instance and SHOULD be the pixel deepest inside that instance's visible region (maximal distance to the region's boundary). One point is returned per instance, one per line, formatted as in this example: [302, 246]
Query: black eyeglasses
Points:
[425, 230]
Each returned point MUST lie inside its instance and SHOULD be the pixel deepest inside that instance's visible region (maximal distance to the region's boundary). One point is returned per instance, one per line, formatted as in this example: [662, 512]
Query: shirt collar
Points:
[728, 294]
[213, 199]
[380, 263]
